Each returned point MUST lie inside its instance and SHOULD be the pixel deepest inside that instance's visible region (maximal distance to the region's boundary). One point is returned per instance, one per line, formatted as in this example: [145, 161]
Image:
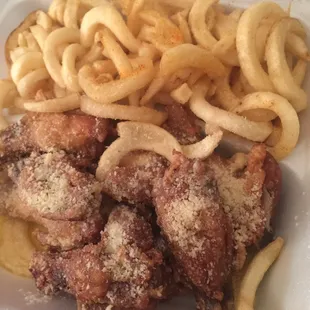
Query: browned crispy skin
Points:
[272, 187]
[48, 190]
[181, 124]
[243, 187]
[81, 135]
[133, 181]
[123, 270]
[195, 225]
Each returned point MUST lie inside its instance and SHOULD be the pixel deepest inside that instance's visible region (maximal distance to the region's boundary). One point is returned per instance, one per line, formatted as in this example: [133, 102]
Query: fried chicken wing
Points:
[123, 270]
[243, 183]
[80, 135]
[195, 224]
[181, 124]
[48, 190]
[133, 181]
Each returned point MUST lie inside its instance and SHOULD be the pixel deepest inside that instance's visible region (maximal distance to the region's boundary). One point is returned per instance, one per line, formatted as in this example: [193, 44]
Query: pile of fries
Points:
[239, 72]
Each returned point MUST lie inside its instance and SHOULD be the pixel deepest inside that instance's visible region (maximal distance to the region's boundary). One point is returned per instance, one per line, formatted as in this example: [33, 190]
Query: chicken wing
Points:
[195, 224]
[123, 270]
[181, 124]
[249, 186]
[80, 135]
[133, 180]
[48, 190]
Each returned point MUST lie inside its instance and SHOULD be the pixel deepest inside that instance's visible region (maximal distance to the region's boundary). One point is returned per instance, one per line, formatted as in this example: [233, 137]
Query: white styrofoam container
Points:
[287, 285]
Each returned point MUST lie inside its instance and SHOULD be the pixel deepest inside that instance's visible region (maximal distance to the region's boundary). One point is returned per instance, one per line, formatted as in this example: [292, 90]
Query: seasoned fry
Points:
[227, 120]
[55, 39]
[122, 112]
[133, 21]
[288, 116]
[205, 147]
[18, 52]
[275, 136]
[111, 91]
[31, 42]
[255, 273]
[44, 20]
[226, 98]
[12, 41]
[68, 70]
[40, 35]
[117, 55]
[148, 51]
[164, 34]
[279, 72]
[28, 85]
[188, 55]
[56, 10]
[246, 44]
[94, 54]
[297, 45]
[107, 15]
[198, 24]
[225, 29]
[136, 136]
[182, 57]
[25, 64]
[70, 102]
[181, 20]
[71, 14]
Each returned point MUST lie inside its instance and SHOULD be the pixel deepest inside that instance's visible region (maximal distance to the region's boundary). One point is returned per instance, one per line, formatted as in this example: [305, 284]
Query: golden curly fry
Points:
[224, 95]
[55, 39]
[288, 116]
[32, 82]
[227, 120]
[246, 43]
[279, 71]
[164, 34]
[58, 105]
[136, 136]
[40, 35]
[26, 63]
[205, 147]
[255, 273]
[69, 71]
[199, 27]
[107, 15]
[71, 14]
[109, 90]
[122, 112]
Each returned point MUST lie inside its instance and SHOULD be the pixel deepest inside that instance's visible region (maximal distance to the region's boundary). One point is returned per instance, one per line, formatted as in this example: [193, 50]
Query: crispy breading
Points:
[123, 270]
[133, 181]
[195, 224]
[81, 135]
[48, 190]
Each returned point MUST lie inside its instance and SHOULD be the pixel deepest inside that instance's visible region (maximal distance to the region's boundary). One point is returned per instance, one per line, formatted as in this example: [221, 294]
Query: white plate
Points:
[287, 286]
